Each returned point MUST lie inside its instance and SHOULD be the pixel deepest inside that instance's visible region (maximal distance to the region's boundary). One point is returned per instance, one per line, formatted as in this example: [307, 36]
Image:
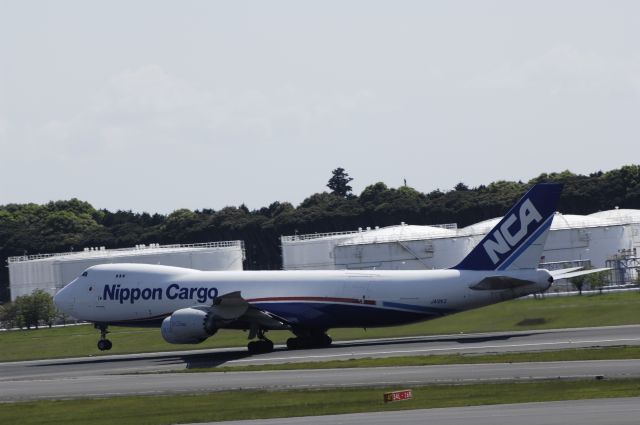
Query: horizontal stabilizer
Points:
[580, 273]
[558, 272]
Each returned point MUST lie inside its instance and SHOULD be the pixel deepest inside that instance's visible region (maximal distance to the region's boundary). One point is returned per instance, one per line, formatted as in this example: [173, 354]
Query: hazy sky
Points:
[157, 105]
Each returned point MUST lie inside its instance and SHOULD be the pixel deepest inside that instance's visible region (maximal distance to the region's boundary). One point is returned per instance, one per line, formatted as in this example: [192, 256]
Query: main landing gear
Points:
[104, 344]
[309, 340]
[262, 345]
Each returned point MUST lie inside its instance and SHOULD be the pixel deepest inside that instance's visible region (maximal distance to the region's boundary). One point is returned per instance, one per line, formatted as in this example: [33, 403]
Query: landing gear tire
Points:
[313, 341]
[325, 340]
[260, 347]
[104, 345]
[294, 344]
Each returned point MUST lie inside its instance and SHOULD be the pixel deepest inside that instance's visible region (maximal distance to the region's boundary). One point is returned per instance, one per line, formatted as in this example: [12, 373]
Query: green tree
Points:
[43, 305]
[10, 316]
[339, 183]
[71, 225]
[373, 195]
[24, 305]
[36, 308]
[597, 280]
[578, 282]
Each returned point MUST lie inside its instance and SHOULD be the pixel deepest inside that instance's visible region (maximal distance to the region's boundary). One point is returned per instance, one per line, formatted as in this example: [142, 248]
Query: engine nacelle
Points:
[187, 326]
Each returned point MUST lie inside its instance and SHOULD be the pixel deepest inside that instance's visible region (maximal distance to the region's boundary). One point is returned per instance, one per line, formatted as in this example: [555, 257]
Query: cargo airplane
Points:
[190, 306]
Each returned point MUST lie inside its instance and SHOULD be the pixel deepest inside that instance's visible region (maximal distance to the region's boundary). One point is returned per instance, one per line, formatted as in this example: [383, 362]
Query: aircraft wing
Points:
[232, 307]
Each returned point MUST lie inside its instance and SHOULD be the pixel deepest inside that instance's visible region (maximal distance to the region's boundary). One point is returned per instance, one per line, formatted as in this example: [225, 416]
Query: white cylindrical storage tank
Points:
[311, 252]
[27, 276]
[222, 258]
[401, 247]
[52, 271]
[627, 217]
[571, 239]
[577, 237]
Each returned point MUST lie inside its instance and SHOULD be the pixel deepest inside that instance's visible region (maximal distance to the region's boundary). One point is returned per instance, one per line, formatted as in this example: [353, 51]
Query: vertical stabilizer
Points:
[517, 241]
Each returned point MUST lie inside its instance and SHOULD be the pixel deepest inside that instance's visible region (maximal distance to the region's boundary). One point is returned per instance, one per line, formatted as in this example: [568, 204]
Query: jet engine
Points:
[188, 326]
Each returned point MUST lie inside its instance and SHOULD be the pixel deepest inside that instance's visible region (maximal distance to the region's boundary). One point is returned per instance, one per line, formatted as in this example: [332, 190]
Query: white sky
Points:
[158, 105]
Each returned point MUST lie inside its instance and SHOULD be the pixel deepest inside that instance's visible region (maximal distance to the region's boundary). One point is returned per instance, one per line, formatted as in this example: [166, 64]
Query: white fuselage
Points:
[136, 293]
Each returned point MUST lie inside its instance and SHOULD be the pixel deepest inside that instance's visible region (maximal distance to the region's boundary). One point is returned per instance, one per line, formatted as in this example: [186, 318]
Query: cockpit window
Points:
[85, 274]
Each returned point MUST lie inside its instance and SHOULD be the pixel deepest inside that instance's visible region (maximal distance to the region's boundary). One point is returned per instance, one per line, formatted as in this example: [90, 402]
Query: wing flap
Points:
[263, 319]
[229, 306]
[232, 307]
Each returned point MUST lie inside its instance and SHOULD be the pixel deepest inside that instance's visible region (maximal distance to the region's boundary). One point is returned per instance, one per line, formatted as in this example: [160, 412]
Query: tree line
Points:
[60, 226]
[29, 311]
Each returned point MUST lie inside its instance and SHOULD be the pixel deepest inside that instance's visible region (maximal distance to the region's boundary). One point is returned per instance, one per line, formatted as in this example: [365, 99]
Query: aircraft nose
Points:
[58, 299]
[63, 300]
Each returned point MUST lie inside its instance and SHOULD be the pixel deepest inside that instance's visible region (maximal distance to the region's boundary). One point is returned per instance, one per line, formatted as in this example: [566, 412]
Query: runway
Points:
[615, 411]
[497, 342]
[175, 383]
[100, 377]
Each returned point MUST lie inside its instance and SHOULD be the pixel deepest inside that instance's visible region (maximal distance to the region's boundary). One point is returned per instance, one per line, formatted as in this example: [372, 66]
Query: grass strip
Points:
[517, 315]
[604, 353]
[237, 405]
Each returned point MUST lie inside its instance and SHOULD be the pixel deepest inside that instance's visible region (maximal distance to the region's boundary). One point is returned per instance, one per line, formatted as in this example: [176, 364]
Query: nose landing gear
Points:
[104, 344]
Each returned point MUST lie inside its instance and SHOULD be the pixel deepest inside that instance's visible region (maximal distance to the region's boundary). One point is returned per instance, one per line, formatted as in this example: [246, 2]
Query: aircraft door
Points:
[95, 294]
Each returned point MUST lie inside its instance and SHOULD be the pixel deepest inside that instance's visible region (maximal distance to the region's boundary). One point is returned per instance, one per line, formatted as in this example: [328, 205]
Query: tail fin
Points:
[518, 239]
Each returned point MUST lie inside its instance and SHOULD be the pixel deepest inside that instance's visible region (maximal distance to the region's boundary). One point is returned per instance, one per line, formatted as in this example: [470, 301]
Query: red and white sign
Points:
[398, 396]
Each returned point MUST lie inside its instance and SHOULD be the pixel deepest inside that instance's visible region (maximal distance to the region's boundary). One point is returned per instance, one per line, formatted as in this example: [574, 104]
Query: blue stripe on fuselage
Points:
[324, 315]
[428, 310]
